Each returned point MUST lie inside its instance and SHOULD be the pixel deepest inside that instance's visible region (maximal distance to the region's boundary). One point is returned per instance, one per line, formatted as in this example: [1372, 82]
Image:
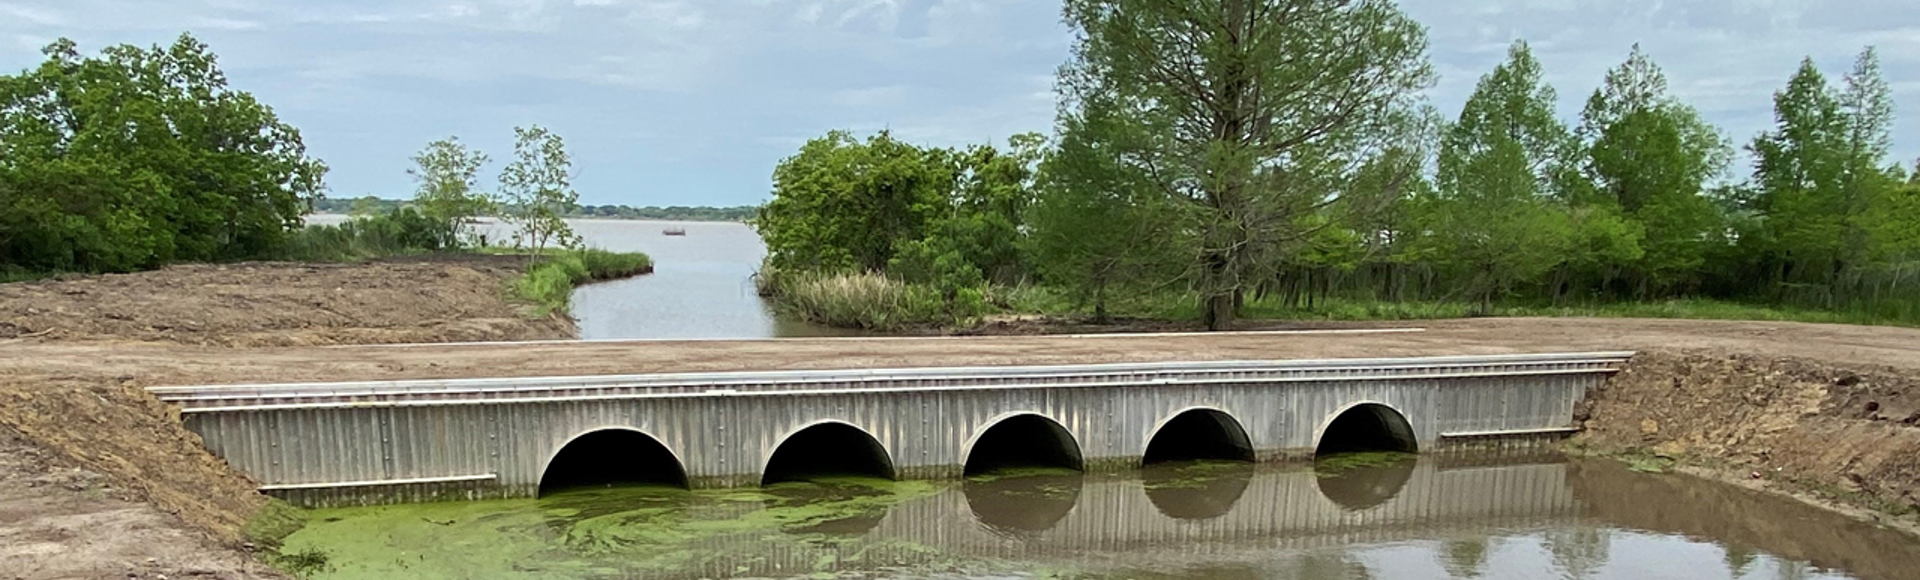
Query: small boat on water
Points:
[674, 231]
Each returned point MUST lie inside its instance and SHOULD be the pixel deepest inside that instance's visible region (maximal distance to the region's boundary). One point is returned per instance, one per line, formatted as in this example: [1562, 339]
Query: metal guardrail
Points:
[255, 397]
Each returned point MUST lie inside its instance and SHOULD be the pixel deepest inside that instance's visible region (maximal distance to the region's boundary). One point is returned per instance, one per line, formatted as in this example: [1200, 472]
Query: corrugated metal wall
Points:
[325, 444]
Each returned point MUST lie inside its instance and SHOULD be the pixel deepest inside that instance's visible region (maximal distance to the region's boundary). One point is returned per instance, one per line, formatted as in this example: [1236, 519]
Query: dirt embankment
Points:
[59, 520]
[99, 480]
[437, 299]
[1838, 431]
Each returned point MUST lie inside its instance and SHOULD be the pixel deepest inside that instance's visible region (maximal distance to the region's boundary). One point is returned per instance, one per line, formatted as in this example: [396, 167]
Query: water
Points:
[701, 286]
[1449, 517]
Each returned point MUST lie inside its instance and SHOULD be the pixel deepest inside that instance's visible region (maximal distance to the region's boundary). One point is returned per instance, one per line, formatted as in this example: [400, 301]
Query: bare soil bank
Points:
[1832, 430]
[428, 299]
[62, 521]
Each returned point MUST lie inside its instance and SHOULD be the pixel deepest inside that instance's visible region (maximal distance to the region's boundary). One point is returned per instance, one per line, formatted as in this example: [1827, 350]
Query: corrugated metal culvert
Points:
[372, 442]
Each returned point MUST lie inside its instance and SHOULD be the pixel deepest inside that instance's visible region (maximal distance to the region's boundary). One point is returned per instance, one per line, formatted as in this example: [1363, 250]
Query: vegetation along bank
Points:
[1182, 193]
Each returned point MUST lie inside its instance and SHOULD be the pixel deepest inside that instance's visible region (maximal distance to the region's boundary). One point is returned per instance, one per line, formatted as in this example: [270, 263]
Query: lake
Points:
[701, 286]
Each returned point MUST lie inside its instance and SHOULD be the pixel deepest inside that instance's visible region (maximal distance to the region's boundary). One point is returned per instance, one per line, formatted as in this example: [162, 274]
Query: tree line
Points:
[369, 205]
[139, 157]
[1280, 150]
[142, 156]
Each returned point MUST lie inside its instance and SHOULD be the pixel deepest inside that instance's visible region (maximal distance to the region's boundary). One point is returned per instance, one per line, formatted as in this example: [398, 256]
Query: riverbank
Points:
[82, 401]
[1826, 430]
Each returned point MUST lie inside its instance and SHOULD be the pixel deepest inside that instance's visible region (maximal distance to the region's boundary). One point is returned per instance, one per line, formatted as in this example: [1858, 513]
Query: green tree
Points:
[537, 189]
[1819, 179]
[844, 205]
[1650, 157]
[139, 157]
[1495, 222]
[1240, 109]
[447, 178]
[1097, 227]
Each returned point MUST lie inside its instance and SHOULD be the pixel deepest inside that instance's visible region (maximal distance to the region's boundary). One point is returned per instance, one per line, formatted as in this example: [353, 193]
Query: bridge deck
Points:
[29, 363]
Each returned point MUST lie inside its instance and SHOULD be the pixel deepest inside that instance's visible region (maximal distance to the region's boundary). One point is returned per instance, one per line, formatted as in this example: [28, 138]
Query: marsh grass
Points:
[549, 282]
[863, 301]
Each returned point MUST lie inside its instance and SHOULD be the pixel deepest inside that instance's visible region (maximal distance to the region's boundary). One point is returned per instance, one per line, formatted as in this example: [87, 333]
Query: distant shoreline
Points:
[584, 217]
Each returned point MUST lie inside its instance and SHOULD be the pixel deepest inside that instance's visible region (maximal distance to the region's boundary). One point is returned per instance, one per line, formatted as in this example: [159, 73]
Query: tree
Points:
[1097, 225]
[1495, 221]
[1650, 158]
[1237, 111]
[843, 205]
[1818, 175]
[447, 178]
[537, 189]
[138, 157]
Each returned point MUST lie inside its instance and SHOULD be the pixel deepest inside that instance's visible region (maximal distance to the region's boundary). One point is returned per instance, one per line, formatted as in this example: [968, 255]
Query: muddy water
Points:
[1376, 517]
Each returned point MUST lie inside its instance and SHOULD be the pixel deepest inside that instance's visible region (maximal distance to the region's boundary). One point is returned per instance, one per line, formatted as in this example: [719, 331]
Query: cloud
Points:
[693, 101]
[32, 15]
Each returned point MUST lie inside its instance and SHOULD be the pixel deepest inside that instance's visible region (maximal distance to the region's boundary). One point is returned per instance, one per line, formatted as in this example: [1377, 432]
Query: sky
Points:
[671, 102]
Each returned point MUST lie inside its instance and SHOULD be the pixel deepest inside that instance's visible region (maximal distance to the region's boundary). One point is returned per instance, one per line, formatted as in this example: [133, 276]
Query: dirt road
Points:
[168, 364]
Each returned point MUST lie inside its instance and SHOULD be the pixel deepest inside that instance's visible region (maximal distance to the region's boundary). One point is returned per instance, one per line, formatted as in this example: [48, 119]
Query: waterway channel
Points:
[1537, 516]
[701, 286]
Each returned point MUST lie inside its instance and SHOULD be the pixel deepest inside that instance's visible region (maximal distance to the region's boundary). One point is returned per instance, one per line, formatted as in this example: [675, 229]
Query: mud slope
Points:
[61, 521]
[137, 444]
[440, 299]
[1845, 431]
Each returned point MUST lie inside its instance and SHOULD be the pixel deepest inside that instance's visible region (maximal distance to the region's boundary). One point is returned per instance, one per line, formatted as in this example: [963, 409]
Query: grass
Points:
[549, 282]
[9, 273]
[864, 301]
[1182, 306]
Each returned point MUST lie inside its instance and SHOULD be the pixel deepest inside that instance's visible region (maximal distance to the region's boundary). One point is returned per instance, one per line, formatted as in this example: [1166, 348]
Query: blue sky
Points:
[693, 102]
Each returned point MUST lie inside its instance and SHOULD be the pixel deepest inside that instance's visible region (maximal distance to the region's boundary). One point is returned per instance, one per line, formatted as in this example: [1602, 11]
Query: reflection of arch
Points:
[838, 507]
[826, 448]
[1365, 426]
[1021, 440]
[1198, 433]
[1023, 505]
[1196, 492]
[1363, 486]
[610, 456]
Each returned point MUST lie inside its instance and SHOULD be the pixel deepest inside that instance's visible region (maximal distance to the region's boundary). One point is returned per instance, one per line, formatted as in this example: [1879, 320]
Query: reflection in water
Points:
[1420, 519]
[1196, 491]
[1363, 480]
[1023, 502]
[855, 505]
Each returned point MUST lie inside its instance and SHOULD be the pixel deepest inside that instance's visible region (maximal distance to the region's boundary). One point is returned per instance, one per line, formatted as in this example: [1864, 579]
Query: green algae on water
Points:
[1340, 464]
[610, 533]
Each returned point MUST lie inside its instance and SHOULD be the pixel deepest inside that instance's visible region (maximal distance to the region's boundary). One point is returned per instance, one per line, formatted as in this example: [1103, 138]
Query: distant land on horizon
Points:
[743, 213]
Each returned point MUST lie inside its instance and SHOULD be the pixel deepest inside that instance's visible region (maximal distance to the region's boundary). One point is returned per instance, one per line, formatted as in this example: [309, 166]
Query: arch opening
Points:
[1023, 441]
[827, 450]
[612, 458]
[1367, 427]
[1199, 435]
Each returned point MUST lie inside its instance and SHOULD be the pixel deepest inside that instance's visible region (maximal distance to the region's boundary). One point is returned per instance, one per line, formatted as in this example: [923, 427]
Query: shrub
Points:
[549, 283]
[400, 232]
